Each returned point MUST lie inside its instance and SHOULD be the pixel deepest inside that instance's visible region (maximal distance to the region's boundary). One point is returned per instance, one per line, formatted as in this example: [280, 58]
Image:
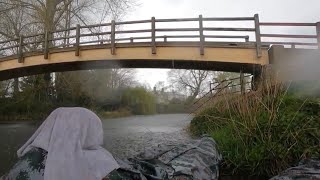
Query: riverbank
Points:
[262, 133]
[104, 115]
[114, 114]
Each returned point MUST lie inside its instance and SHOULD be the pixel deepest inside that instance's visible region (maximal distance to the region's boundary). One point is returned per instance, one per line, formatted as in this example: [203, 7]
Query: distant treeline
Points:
[109, 92]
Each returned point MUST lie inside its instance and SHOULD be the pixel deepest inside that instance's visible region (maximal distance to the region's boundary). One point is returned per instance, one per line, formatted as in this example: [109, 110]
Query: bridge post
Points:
[46, 45]
[242, 83]
[20, 50]
[201, 35]
[113, 37]
[256, 79]
[153, 35]
[318, 34]
[131, 40]
[258, 35]
[77, 48]
[247, 38]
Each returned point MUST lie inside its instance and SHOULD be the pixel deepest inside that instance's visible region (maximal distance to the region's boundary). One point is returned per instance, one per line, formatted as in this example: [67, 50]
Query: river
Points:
[123, 137]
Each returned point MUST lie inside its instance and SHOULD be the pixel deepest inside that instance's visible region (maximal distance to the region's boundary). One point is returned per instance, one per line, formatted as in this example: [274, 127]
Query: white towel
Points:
[73, 138]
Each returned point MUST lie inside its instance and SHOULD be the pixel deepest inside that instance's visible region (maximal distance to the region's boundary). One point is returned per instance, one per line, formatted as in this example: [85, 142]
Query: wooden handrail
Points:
[177, 20]
[290, 43]
[177, 29]
[133, 22]
[50, 40]
[95, 34]
[229, 29]
[289, 36]
[10, 40]
[230, 19]
[286, 24]
[94, 25]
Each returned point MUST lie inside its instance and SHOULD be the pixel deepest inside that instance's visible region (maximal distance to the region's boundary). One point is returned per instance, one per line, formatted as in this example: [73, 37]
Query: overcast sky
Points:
[268, 10]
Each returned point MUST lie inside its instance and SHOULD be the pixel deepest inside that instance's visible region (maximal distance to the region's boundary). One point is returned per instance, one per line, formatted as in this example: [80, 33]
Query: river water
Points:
[123, 137]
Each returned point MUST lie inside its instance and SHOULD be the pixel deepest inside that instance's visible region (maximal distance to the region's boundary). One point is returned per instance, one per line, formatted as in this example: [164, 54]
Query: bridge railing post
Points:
[318, 34]
[77, 48]
[201, 35]
[247, 38]
[258, 35]
[20, 50]
[46, 45]
[113, 37]
[165, 38]
[242, 82]
[153, 35]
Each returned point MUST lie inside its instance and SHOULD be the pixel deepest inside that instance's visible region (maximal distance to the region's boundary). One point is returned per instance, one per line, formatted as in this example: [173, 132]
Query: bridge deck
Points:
[180, 55]
[156, 46]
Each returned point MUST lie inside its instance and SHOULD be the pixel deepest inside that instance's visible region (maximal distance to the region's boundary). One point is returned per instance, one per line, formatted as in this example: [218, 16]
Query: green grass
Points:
[262, 133]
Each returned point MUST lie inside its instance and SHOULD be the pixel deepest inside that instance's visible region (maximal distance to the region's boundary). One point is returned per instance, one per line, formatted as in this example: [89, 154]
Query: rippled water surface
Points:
[123, 137]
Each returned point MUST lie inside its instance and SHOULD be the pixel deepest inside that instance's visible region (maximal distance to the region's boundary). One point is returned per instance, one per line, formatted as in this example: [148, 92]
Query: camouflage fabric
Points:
[306, 170]
[198, 159]
[29, 167]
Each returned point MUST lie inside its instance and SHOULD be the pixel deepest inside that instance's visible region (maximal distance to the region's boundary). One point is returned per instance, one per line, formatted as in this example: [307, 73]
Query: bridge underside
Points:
[97, 57]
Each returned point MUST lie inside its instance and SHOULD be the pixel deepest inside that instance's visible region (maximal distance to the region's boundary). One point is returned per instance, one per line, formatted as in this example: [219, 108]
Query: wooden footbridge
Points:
[153, 43]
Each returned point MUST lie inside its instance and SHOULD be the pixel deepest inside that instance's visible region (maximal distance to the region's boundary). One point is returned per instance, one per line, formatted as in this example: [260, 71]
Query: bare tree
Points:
[193, 82]
[25, 17]
[51, 14]
[122, 78]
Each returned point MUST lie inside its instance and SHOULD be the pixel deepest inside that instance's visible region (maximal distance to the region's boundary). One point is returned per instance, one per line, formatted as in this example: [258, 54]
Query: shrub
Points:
[262, 132]
[139, 101]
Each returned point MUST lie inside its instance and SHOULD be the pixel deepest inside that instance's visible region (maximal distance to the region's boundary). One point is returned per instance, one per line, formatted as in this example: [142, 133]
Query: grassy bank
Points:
[115, 114]
[263, 132]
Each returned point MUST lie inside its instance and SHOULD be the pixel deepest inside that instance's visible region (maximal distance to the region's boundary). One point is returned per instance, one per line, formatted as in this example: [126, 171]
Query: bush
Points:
[139, 101]
[174, 106]
[263, 132]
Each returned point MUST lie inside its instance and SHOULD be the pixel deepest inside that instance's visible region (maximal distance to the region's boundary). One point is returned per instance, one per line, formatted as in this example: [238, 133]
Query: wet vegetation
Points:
[262, 132]
[114, 95]
[111, 93]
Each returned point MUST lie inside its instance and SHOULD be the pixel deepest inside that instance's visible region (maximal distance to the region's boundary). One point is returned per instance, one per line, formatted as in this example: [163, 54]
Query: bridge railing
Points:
[221, 89]
[110, 35]
[297, 37]
[153, 32]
